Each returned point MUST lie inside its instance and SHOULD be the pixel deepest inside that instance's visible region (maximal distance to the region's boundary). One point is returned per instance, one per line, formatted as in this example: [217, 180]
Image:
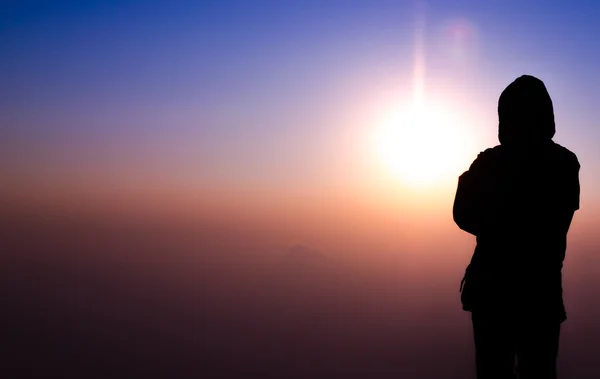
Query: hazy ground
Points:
[112, 299]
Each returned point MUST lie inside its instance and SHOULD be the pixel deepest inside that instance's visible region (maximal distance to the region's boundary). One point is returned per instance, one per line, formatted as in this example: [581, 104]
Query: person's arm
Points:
[465, 210]
[572, 195]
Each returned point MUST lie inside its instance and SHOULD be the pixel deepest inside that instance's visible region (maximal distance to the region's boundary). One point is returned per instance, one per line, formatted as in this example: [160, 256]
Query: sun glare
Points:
[422, 145]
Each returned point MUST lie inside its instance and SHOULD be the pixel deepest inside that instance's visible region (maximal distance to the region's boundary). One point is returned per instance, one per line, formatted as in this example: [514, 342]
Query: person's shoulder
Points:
[487, 156]
[565, 155]
[491, 153]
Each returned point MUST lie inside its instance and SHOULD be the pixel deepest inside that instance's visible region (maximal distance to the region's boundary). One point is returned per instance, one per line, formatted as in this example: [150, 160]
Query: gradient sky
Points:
[272, 99]
[255, 120]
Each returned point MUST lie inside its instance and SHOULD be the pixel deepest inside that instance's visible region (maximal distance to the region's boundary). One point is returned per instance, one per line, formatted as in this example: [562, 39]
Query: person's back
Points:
[518, 199]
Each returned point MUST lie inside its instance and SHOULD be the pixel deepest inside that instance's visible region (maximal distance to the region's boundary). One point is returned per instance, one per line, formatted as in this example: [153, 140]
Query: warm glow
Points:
[422, 145]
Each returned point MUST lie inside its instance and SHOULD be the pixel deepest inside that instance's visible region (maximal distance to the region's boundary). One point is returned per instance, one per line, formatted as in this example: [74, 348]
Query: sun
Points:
[422, 144]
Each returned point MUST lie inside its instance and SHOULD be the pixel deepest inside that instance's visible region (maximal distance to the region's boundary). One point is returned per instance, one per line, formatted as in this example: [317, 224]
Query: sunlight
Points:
[422, 145]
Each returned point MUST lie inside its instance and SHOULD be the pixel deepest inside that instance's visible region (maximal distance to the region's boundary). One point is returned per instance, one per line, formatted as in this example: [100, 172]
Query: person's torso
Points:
[521, 247]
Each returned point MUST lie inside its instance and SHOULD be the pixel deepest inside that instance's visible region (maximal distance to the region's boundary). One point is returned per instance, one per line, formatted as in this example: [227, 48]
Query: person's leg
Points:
[494, 346]
[537, 349]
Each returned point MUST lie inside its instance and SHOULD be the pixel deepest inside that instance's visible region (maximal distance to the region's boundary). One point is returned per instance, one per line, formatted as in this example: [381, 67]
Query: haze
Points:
[235, 188]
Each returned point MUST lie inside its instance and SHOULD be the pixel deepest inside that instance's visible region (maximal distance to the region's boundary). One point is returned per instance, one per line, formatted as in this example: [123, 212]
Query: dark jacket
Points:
[518, 199]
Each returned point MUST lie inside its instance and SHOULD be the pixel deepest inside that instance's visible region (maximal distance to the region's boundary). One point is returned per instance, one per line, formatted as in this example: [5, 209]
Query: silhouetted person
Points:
[518, 199]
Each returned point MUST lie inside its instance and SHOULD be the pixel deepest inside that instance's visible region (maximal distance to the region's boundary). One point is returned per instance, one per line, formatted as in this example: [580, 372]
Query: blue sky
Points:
[239, 85]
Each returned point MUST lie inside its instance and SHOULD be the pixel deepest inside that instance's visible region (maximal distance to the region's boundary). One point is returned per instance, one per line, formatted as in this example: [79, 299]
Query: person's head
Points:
[525, 113]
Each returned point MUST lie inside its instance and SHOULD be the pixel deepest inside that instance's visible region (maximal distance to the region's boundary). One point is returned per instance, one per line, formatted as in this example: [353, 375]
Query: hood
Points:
[525, 113]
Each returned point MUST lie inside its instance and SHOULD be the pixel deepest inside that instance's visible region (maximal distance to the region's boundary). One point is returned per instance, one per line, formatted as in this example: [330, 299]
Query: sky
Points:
[270, 107]
[230, 129]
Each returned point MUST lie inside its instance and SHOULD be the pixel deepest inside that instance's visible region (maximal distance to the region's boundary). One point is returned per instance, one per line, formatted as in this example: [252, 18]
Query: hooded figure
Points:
[525, 112]
[518, 199]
